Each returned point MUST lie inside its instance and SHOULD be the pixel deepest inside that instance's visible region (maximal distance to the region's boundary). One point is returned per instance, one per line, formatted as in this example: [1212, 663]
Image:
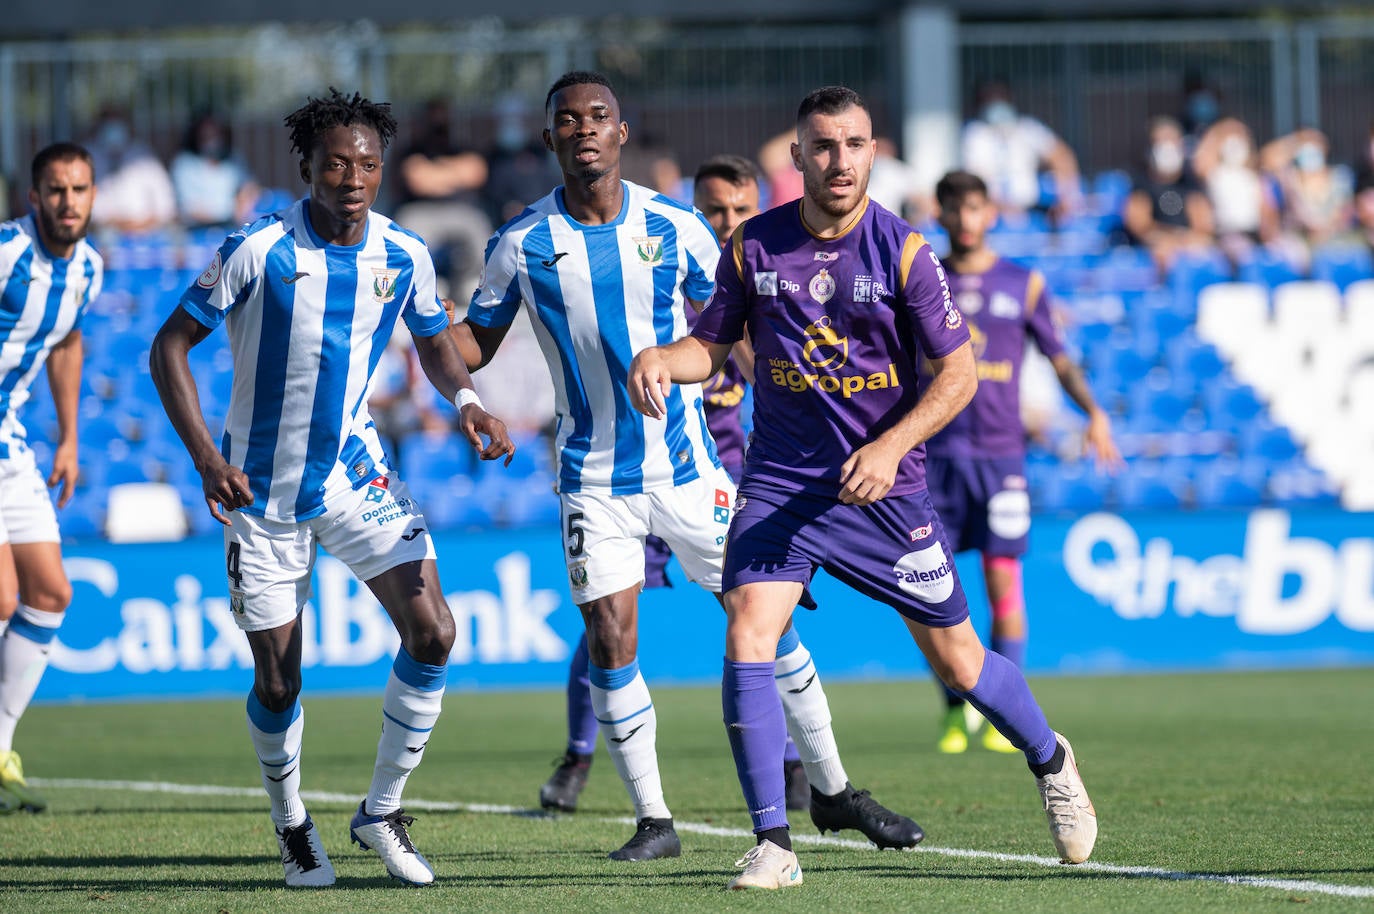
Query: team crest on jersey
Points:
[766, 283]
[577, 574]
[78, 288]
[376, 489]
[822, 286]
[1004, 305]
[384, 284]
[969, 301]
[722, 511]
[650, 249]
[212, 273]
[238, 602]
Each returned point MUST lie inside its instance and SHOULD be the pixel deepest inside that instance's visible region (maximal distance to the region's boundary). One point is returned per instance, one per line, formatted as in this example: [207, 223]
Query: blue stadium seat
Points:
[1342, 264]
[1263, 438]
[1230, 404]
[1194, 271]
[1296, 484]
[1190, 358]
[1072, 487]
[1229, 483]
[1268, 268]
[436, 457]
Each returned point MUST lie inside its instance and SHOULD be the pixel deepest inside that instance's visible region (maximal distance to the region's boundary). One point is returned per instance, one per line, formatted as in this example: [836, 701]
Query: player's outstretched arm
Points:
[445, 367]
[654, 371]
[64, 380]
[870, 471]
[1098, 442]
[226, 487]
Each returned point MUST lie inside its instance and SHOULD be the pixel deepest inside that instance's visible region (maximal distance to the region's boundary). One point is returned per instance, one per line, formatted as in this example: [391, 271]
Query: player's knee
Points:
[50, 598]
[431, 641]
[276, 693]
[9, 603]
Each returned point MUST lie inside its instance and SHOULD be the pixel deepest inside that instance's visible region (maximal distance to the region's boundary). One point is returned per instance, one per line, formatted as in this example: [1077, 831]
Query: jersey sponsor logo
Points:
[867, 289]
[927, 574]
[212, 273]
[408, 537]
[789, 375]
[952, 316]
[1004, 305]
[1009, 514]
[921, 533]
[650, 249]
[824, 348]
[376, 489]
[722, 507]
[822, 286]
[826, 256]
[384, 284]
[766, 283]
[291, 280]
[558, 255]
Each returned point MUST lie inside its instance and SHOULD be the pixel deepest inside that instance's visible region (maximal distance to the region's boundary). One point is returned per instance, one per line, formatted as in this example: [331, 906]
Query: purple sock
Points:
[582, 726]
[1014, 649]
[1004, 698]
[757, 730]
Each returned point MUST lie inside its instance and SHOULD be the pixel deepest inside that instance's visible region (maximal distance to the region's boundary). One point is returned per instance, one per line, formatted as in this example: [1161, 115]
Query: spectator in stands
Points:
[520, 169]
[1201, 109]
[1167, 211]
[212, 185]
[135, 190]
[1316, 201]
[441, 197]
[784, 181]
[894, 185]
[1008, 149]
[1364, 191]
[1244, 210]
[402, 402]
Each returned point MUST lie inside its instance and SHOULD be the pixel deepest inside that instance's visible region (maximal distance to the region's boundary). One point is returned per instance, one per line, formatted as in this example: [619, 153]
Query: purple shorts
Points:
[983, 502]
[893, 551]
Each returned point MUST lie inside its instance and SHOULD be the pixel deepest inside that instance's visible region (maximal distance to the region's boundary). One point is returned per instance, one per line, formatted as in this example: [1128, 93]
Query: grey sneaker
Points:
[767, 866]
[1073, 821]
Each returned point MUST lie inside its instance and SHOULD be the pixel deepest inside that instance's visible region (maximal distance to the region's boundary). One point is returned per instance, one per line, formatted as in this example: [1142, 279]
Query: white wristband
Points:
[465, 396]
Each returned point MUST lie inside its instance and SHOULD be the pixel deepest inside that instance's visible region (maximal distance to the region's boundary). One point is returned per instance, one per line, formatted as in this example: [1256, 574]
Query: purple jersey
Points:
[838, 326]
[1003, 307]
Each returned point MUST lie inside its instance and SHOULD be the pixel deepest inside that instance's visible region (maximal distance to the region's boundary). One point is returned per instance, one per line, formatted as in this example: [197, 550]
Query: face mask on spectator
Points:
[1235, 151]
[1167, 158]
[1309, 157]
[999, 113]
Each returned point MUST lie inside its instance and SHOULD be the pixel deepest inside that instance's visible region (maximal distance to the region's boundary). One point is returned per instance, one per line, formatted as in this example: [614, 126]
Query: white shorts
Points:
[603, 534]
[26, 511]
[371, 530]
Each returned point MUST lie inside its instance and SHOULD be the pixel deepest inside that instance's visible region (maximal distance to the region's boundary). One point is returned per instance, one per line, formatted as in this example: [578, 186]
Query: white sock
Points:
[808, 717]
[628, 722]
[23, 658]
[277, 740]
[410, 708]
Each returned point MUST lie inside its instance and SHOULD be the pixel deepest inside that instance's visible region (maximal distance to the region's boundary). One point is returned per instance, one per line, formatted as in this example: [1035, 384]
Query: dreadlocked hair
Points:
[338, 110]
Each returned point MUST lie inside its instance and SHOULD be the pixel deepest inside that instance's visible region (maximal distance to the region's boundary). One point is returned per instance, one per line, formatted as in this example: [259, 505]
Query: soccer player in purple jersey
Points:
[841, 299]
[976, 465]
[726, 191]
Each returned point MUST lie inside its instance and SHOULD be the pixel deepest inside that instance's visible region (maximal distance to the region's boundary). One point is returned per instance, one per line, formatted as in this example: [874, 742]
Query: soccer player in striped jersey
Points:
[49, 274]
[604, 268]
[840, 299]
[310, 295]
[976, 465]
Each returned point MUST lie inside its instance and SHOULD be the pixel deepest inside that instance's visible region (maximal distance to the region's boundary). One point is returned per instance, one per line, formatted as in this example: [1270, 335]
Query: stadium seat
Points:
[1298, 484]
[1268, 268]
[145, 512]
[1230, 405]
[1231, 315]
[1306, 310]
[1228, 484]
[1269, 441]
[1342, 265]
[1192, 272]
[1359, 311]
[1145, 485]
[1189, 358]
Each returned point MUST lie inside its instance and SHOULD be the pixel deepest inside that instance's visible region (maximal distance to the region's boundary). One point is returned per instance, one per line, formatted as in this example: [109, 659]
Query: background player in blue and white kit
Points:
[310, 296]
[976, 465]
[49, 274]
[841, 299]
[604, 268]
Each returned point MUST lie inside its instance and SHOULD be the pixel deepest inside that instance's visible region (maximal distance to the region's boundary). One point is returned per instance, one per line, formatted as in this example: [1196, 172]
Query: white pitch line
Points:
[348, 799]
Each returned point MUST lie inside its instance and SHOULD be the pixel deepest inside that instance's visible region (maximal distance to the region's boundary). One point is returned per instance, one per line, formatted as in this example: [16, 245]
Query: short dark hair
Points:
[317, 115]
[831, 100]
[57, 152]
[736, 169]
[956, 185]
[577, 78]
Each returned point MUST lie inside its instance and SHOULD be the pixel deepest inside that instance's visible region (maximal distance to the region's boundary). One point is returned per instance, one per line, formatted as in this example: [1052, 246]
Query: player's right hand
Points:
[649, 382]
[474, 422]
[226, 488]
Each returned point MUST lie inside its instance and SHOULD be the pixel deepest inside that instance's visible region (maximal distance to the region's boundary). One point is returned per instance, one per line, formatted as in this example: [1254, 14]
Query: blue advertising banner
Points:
[1105, 593]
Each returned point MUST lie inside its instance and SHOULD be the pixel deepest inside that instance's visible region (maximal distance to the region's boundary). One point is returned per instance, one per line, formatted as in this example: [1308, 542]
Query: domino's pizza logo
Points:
[377, 488]
[722, 507]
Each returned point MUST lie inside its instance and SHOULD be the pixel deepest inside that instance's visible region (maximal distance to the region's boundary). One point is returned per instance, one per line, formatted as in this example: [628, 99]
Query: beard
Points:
[818, 190]
[58, 233]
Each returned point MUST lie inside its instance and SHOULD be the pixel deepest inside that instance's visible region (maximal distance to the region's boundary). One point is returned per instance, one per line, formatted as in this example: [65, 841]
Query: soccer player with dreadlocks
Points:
[309, 296]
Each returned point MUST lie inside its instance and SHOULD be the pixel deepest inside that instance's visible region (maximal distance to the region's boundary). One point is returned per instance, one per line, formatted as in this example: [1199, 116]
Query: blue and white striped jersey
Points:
[597, 295]
[42, 299]
[307, 323]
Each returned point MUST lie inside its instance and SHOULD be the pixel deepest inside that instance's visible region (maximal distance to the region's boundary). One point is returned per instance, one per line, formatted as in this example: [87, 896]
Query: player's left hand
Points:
[649, 382]
[1099, 445]
[64, 473]
[474, 422]
[868, 474]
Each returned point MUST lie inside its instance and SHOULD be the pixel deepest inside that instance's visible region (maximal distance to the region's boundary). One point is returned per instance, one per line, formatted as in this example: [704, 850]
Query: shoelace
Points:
[298, 848]
[398, 822]
[750, 856]
[863, 802]
[1059, 802]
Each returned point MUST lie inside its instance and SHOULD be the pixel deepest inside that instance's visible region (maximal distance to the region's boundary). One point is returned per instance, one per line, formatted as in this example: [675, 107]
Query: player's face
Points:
[62, 203]
[967, 221]
[834, 153]
[344, 172]
[585, 131]
[726, 205]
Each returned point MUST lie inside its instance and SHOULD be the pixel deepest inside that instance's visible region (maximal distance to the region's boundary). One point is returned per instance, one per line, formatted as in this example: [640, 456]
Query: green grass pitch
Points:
[1244, 792]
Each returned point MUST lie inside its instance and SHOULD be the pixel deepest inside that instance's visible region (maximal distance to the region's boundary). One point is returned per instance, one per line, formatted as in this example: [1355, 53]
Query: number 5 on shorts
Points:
[576, 536]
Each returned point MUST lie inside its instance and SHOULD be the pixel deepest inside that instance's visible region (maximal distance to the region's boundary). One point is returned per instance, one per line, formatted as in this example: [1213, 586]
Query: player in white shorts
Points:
[49, 274]
[605, 268]
[310, 296]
